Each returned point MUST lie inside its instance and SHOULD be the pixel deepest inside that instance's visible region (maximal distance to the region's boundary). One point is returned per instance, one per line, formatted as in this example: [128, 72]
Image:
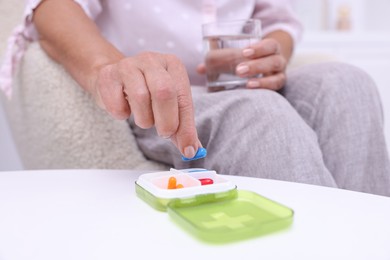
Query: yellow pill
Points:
[179, 186]
[172, 183]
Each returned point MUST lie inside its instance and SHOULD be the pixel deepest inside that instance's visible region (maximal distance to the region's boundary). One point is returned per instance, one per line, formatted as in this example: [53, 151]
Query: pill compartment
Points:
[215, 213]
[152, 187]
[184, 179]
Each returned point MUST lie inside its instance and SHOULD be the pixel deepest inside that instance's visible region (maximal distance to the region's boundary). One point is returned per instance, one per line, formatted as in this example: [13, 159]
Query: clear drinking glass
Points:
[223, 44]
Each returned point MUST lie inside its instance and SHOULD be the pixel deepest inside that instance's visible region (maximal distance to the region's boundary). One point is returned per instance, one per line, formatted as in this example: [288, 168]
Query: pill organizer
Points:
[213, 210]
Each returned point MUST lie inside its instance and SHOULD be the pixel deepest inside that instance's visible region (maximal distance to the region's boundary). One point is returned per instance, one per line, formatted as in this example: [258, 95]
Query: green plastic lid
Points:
[216, 212]
[229, 219]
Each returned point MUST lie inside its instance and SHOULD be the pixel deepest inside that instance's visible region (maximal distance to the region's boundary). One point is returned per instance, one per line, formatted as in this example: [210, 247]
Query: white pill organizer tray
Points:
[214, 211]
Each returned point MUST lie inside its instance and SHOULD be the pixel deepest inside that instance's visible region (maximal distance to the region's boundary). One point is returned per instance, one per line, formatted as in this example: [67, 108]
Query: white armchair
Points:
[55, 124]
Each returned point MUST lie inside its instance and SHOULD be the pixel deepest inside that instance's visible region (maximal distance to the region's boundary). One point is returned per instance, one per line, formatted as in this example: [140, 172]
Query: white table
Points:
[95, 214]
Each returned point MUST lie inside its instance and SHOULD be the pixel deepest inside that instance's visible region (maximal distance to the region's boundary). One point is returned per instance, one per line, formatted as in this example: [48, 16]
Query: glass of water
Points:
[223, 43]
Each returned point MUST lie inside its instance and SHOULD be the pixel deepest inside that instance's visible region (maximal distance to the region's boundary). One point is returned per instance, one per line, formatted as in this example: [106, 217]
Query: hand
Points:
[155, 88]
[152, 86]
[264, 58]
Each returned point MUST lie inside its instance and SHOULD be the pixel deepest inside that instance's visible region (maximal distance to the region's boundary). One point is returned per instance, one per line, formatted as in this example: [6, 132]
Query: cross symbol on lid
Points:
[224, 220]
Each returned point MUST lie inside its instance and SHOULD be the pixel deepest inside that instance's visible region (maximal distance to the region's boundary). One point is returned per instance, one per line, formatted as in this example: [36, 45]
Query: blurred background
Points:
[353, 31]
[359, 16]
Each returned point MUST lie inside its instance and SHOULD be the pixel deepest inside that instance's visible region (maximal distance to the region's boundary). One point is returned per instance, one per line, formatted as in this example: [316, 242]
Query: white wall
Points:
[378, 18]
[372, 15]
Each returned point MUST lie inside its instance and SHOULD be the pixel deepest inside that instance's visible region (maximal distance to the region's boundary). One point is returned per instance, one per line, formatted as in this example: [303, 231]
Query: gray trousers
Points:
[324, 128]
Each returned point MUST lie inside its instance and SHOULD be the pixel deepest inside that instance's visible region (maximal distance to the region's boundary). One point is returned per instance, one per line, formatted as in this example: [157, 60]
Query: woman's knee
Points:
[265, 107]
[334, 86]
[341, 80]
[259, 113]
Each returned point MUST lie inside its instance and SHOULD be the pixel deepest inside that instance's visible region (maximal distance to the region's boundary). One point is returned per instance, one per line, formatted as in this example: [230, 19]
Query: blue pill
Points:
[201, 153]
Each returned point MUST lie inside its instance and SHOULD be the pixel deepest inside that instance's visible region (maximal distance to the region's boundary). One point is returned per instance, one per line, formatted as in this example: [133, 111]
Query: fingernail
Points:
[248, 52]
[242, 69]
[253, 84]
[201, 153]
[189, 152]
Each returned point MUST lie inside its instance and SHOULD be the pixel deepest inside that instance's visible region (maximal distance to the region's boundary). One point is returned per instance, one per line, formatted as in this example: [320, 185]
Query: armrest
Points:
[56, 124]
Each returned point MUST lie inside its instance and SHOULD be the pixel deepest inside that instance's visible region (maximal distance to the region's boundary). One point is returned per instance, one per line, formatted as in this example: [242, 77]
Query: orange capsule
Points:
[179, 186]
[206, 181]
[172, 183]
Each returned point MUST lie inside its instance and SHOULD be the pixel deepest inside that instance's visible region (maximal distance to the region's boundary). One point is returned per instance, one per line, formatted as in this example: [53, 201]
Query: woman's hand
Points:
[265, 58]
[268, 58]
[155, 88]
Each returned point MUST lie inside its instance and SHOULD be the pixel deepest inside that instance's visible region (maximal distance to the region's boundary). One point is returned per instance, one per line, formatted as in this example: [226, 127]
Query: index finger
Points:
[262, 48]
[186, 136]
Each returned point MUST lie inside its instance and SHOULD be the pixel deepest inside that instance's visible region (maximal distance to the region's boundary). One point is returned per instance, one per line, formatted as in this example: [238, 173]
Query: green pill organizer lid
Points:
[215, 213]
